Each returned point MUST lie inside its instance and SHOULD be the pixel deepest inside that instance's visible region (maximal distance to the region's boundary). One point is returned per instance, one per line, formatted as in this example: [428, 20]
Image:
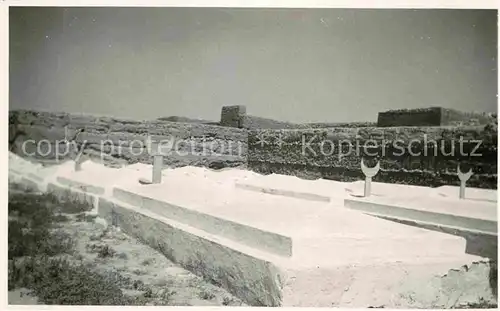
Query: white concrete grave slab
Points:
[429, 206]
[471, 194]
[269, 250]
[329, 244]
[319, 190]
[378, 189]
[263, 221]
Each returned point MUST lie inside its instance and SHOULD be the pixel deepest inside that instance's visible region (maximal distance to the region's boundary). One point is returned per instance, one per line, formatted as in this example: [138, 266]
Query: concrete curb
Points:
[239, 269]
[253, 237]
[383, 209]
[283, 192]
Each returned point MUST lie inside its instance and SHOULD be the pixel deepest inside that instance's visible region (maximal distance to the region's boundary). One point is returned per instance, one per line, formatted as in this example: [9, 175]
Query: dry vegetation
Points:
[59, 254]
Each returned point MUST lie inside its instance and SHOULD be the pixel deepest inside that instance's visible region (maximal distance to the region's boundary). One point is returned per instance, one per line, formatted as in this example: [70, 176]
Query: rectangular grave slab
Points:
[319, 190]
[337, 274]
[268, 222]
[465, 214]
[472, 194]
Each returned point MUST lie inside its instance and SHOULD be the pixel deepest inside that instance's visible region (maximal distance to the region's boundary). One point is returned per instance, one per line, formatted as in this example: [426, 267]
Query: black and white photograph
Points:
[252, 156]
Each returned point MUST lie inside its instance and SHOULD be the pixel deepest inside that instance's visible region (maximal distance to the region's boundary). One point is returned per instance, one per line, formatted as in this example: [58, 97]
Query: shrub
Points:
[81, 217]
[30, 230]
[35, 241]
[206, 295]
[57, 281]
[37, 261]
[106, 252]
[71, 206]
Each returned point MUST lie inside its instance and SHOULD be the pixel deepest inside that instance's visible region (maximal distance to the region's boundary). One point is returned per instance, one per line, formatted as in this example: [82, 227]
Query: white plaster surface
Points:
[314, 190]
[312, 226]
[488, 195]
[466, 214]
[466, 208]
[340, 257]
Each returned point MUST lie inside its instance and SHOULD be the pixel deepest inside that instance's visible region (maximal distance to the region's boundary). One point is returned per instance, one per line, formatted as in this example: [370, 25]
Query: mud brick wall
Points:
[412, 117]
[232, 116]
[434, 116]
[289, 152]
[451, 117]
[120, 141]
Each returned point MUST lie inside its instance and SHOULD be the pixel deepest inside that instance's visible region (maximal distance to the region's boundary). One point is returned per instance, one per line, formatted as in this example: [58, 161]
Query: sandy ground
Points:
[22, 296]
[131, 260]
[142, 263]
[139, 263]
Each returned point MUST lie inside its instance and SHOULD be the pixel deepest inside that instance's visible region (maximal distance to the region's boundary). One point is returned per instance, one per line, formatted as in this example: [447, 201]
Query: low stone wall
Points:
[434, 116]
[451, 117]
[255, 123]
[303, 151]
[120, 141]
[309, 154]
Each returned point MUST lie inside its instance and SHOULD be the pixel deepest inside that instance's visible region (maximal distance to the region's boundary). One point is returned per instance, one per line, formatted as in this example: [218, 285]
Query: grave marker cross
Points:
[78, 157]
[154, 149]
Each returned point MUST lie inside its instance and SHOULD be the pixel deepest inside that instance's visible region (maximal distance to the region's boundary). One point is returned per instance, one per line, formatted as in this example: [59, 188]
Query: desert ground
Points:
[63, 240]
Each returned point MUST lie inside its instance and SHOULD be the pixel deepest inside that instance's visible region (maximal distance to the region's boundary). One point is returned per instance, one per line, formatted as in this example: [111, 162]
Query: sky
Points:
[297, 65]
